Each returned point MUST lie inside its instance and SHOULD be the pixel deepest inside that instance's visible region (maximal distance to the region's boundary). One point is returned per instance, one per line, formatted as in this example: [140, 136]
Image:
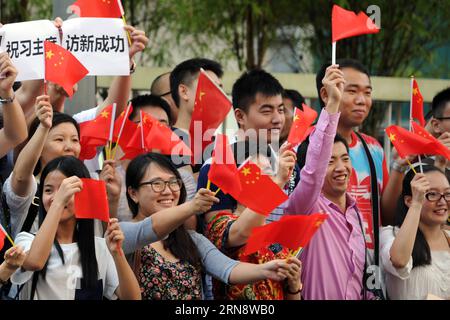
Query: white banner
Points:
[100, 44]
[25, 44]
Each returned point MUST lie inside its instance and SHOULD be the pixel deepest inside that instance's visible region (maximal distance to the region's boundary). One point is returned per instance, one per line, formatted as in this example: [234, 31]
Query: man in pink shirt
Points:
[333, 262]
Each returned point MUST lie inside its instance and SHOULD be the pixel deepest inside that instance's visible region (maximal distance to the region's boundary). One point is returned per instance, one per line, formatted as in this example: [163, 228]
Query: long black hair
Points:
[58, 118]
[179, 241]
[84, 229]
[421, 253]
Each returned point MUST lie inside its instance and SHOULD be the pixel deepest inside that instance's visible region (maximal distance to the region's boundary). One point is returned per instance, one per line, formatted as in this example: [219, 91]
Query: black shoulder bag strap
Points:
[375, 200]
[32, 214]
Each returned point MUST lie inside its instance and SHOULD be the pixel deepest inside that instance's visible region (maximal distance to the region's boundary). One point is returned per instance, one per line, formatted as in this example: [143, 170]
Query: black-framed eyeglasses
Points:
[165, 94]
[443, 118]
[159, 185]
[436, 196]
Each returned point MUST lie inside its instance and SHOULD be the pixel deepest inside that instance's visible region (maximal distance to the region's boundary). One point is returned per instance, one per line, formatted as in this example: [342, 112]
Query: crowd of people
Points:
[171, 237]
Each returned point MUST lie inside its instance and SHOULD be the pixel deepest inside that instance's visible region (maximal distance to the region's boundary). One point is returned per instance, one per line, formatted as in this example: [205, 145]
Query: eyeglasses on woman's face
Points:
[159, 185]
[434, 196]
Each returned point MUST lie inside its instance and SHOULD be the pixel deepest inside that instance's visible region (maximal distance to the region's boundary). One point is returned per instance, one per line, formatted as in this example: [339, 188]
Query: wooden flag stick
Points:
[10, 240]
[298, 253]
[111, 132]
[411, 166]
[217, 191]
[410, 103]
[208, 185]
[128, 34]
[121, 130]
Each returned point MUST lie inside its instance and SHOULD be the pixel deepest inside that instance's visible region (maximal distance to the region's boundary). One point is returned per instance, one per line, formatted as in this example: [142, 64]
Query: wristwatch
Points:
[8, 100]
[395, 166]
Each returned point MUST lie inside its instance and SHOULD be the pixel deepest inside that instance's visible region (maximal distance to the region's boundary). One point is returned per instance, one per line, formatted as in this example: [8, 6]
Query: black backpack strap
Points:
[32, 214]
[375, 199]
[364, 278]
[34, 284]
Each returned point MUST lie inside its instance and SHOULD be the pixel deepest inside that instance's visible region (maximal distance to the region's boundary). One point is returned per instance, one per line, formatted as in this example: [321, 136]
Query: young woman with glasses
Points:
[415, 253]
[171, 269]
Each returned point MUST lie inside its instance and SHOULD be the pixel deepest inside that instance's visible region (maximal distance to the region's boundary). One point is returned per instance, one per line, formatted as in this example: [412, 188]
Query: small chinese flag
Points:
[210, 110]
[259, 192]
[417, 104]
[291, 232]
[125, 128]
[92, 202]
[97, 8]
[346, 24]
[223, 170]
[409, 143]
[301, 124]
[421, 131]
[95, 133]
[62, 67]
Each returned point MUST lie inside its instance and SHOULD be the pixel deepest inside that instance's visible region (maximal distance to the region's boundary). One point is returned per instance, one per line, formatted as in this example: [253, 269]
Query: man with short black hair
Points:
[354, 107]
[440, 108]
[333, 262]
[157, 107]
[439, 127]
[258, 105]
[183, 84]
[161, 87]
[259, 112]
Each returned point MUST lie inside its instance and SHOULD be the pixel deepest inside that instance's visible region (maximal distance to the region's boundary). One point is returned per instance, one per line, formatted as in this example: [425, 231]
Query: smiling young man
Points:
[259, 112]
[354, 107]
[333, 261]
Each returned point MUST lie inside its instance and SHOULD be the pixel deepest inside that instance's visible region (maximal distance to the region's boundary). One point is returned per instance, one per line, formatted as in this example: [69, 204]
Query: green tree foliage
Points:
[24, 10]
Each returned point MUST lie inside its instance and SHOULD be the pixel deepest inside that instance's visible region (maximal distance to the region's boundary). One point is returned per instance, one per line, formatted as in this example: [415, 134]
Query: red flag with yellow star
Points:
[223, 170]
[124, 128]
[62, 67]
[291, 232]
[301, 124]
[97, 8]
[409, 143]
[258, 192]
[417, 104]
[210, 110]
[346, 24]
[95, 133]
[421, 131]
